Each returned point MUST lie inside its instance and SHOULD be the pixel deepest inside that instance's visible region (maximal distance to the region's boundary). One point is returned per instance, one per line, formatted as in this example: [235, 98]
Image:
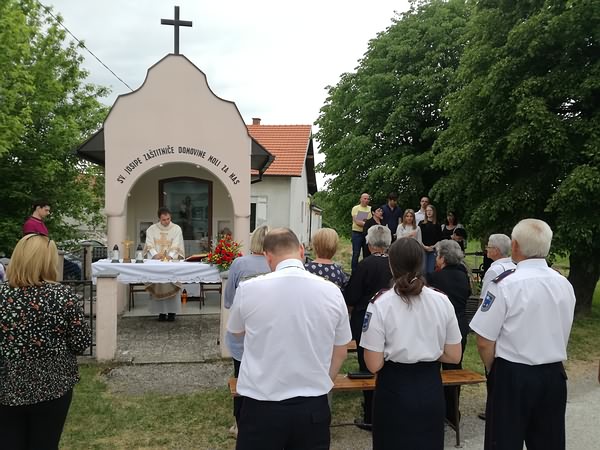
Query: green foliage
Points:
[523, 139]
[46, 110]
[378, 125]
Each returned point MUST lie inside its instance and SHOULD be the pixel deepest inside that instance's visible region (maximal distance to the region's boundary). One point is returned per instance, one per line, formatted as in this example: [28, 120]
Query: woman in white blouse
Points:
[408, 227]
[407, 332]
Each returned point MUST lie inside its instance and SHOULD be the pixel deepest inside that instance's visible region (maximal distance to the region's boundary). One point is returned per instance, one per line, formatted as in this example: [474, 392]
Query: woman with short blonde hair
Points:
[34, 261]
[42, 329]
[325, 243]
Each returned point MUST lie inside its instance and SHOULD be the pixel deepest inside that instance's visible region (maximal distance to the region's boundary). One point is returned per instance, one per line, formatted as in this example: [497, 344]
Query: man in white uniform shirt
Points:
[498, 250]
[296, 331]
[523, 328]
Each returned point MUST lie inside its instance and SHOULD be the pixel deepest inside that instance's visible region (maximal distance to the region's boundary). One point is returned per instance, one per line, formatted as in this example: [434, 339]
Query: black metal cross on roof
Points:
[176, 24]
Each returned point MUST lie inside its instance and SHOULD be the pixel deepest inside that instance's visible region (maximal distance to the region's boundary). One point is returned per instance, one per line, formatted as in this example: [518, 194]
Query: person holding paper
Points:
[360, 214]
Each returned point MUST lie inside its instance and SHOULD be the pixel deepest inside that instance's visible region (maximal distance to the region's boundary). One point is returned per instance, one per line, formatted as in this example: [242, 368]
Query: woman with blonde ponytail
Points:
[407, 332]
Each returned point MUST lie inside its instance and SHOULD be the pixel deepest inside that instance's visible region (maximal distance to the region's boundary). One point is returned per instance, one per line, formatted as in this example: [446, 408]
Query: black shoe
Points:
[162, 317]
[481, 416]
[362, 425]
[171, 317]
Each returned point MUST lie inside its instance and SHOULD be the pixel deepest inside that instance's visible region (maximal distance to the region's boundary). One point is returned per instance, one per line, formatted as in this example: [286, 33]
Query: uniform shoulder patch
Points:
[366, 321]
[378, 294]
[503, 275]
[487, 302]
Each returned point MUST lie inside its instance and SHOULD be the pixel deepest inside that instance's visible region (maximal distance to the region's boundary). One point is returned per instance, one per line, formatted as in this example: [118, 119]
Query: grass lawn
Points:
[101, 420]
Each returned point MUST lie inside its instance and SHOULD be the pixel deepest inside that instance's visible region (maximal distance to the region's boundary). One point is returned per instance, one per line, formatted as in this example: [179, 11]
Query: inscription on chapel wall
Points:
[169, 153]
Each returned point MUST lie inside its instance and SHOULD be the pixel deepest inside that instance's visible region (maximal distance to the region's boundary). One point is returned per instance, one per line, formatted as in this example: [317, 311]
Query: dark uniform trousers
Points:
[408, 408]
[295, 423]
[238, 400]
[526, 404]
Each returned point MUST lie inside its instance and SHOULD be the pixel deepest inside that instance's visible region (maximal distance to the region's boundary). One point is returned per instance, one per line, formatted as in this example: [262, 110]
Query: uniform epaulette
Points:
[503, 275]
[379, 294]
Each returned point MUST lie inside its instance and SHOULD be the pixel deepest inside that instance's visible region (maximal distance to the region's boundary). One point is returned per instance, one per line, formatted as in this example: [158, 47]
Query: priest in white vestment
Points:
[164, 241]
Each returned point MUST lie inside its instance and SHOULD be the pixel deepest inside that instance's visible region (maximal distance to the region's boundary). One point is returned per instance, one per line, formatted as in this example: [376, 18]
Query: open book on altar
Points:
[196, 258]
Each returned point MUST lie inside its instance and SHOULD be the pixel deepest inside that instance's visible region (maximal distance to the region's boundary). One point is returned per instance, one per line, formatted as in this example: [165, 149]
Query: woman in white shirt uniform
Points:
[408, 331]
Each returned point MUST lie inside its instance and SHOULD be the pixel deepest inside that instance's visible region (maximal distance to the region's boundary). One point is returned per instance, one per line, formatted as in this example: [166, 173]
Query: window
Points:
[258, 211]
[190, 202]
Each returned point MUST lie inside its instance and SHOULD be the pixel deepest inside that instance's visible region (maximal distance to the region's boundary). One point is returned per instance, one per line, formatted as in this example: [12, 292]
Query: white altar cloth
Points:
[154, 271]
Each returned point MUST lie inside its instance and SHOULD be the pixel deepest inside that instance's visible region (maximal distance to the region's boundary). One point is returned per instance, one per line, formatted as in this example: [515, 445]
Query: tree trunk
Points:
[584, 275]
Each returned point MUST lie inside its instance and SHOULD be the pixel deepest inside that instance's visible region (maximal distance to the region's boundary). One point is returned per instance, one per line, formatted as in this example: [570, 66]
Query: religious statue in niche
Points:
[185, 218]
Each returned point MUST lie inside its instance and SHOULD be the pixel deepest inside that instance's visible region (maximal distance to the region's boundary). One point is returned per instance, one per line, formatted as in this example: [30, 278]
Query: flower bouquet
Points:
[224, 253]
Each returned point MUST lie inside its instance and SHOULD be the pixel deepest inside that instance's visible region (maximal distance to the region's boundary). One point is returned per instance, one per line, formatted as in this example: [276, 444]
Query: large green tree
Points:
[46, 110]
[524, 133]
[378, 124]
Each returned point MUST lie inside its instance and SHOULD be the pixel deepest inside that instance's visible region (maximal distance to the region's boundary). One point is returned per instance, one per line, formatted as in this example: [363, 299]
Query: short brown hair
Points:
[34, 260]
[325, 242]
[281, 240]
[162, 211]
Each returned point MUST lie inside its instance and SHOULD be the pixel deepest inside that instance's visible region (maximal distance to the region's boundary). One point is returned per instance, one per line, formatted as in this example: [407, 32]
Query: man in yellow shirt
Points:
[360, 214]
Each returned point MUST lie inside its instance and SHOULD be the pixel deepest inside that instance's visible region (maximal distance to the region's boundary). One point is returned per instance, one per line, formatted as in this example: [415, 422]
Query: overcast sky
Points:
[273, 58]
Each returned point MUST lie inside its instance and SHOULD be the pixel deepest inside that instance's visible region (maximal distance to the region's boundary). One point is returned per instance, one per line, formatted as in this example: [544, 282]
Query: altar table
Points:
[155, 271]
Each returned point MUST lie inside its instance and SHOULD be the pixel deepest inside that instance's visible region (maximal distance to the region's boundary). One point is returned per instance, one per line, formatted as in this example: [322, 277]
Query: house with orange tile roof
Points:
[283, 197]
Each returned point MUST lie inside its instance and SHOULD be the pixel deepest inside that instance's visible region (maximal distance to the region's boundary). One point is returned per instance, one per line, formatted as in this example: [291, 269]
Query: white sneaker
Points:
[233, 431]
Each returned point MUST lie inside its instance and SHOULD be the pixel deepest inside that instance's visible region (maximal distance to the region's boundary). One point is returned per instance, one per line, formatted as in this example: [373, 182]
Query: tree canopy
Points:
[378, 125]
[510, 130]
[46, 110]
[523, 139]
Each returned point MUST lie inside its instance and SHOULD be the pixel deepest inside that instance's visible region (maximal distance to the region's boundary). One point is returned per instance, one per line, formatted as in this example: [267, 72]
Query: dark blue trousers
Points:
[526, 404]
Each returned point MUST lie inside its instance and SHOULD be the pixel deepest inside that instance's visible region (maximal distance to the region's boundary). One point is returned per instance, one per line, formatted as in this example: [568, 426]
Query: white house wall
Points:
[277, 192]
[299, 207]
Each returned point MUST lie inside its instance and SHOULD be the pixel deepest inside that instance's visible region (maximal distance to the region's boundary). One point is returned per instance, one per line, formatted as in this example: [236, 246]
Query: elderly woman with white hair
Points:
[370, 276]
[452, 279]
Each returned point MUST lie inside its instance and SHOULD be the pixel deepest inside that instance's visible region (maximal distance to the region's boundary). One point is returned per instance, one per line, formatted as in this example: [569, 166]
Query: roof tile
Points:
[287, 143]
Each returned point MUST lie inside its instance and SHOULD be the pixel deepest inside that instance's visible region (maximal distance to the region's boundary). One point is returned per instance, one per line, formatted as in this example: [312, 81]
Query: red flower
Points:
[224, 253]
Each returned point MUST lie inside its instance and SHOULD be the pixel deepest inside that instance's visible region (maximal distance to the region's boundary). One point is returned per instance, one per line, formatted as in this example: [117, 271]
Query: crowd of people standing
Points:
[423, 225]
[291, 321]
[404, 305]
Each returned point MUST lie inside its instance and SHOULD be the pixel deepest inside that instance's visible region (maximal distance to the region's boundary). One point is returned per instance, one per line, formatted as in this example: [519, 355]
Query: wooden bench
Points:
[450, 378]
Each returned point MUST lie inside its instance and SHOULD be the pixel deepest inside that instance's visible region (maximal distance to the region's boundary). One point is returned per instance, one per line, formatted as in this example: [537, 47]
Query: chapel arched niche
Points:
[199, 202]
